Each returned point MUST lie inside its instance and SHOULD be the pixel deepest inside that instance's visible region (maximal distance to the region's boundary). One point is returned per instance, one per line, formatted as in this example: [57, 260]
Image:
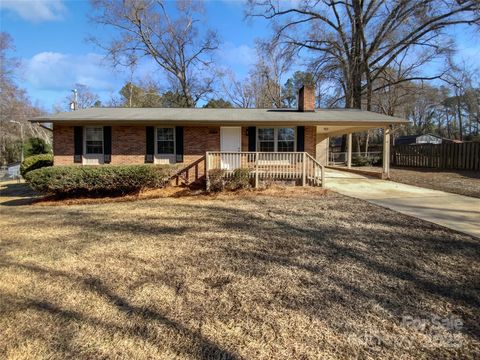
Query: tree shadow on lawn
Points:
[313, 261]
[194, 342]
[16, 194]
[412, 264]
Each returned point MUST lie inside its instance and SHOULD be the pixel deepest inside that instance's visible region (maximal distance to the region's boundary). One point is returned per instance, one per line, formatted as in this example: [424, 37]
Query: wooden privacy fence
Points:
[463, 156]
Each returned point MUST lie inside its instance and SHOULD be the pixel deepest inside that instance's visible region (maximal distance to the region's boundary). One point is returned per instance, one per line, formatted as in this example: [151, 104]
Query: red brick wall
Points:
[310, 139]
[199, 139]
[63, 146]
[306, 98]
[128, 145]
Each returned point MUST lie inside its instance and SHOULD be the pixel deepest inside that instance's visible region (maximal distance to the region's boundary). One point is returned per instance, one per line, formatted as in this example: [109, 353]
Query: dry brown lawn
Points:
[293, 275]
[462, 182]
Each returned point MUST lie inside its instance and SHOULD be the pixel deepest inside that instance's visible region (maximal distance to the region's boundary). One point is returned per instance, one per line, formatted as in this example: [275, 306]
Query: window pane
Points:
[286, 134]
[265, 134]
[94, 134]
[165, 134]
[267, 146]
[94, 147]
[165, 147]
[284, 146]
[165, 141]
[94, 140]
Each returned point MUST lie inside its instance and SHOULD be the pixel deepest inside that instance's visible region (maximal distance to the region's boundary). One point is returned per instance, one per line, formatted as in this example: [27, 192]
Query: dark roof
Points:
[223, 116]
[406, 139]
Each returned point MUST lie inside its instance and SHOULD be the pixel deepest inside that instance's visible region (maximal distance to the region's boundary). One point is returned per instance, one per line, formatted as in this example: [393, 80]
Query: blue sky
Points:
[49, 37]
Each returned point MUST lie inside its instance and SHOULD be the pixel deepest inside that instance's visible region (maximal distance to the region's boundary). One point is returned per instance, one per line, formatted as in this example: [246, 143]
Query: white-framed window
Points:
[276, 139]
[165, 141]
[93, 140]
[266, 139]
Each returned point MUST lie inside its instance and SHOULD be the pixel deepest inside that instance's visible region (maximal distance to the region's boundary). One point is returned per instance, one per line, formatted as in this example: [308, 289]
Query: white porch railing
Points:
[269, 165]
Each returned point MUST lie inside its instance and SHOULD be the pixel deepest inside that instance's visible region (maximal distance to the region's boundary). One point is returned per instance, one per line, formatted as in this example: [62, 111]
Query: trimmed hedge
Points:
[98, 180]
[35, 162]
[360, 160]
[240, 179]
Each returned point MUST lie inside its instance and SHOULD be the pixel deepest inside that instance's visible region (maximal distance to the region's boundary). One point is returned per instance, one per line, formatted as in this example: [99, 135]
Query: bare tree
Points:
[15, 107]
[465, 99]
[179, 45]
[273, 62]
[85, 97]
[239, 92]
[355, 41]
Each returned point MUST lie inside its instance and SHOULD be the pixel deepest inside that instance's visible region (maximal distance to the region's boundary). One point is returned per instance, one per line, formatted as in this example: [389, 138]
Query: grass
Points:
[293, 274]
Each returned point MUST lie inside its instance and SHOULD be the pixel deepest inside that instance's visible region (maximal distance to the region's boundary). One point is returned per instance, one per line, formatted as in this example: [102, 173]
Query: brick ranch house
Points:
[284, 143]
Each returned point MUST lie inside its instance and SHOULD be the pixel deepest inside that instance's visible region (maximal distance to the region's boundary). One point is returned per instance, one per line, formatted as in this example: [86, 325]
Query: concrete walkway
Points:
[457, 212]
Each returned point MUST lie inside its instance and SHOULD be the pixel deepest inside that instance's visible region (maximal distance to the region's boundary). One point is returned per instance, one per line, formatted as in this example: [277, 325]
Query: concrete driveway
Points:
[457, 212]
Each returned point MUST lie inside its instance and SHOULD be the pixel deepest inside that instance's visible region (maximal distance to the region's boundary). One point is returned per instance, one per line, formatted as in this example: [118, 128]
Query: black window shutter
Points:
[252, 138]
[300, 138]
[150, 141]
[78, 144]
[107, 144]
[179, 143]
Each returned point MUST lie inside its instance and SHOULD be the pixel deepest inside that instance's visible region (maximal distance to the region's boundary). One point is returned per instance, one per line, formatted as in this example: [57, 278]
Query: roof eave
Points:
[379, 123]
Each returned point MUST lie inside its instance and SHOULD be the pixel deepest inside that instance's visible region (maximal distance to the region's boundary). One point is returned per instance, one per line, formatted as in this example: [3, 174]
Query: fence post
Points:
[304, 169]
[207, 181]
[256, 170]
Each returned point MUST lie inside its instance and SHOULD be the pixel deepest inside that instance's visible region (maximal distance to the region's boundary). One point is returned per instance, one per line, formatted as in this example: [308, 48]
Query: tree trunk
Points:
[460, 125]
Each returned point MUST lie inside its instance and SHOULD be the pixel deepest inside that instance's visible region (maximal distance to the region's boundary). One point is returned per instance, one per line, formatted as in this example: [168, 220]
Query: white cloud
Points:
[49, 76]
[36, 10]
[232, 55]
[57, 71]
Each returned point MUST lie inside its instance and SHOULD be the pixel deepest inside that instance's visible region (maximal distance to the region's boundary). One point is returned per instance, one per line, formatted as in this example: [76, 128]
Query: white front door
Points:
[230, 142]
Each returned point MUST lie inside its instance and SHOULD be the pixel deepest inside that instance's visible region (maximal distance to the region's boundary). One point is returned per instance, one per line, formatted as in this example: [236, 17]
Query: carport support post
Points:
[386, 153]
[349, 150]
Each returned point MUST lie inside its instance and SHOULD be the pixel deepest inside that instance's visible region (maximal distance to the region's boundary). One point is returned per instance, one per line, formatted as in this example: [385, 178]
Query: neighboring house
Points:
[11, 171]
[184, 135]
[421, 139]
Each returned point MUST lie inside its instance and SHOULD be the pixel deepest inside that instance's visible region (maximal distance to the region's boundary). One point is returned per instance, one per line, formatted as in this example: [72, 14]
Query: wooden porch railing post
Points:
[304, 175]
[323, 176]
[207, 160]
[256, 170]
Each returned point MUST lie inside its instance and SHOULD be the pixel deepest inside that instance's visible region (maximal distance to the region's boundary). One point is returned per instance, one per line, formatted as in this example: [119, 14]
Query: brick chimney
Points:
[306, 98]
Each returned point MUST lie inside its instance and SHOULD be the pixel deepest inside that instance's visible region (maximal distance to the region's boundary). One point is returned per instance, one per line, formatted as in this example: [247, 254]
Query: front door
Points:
[230, 145]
